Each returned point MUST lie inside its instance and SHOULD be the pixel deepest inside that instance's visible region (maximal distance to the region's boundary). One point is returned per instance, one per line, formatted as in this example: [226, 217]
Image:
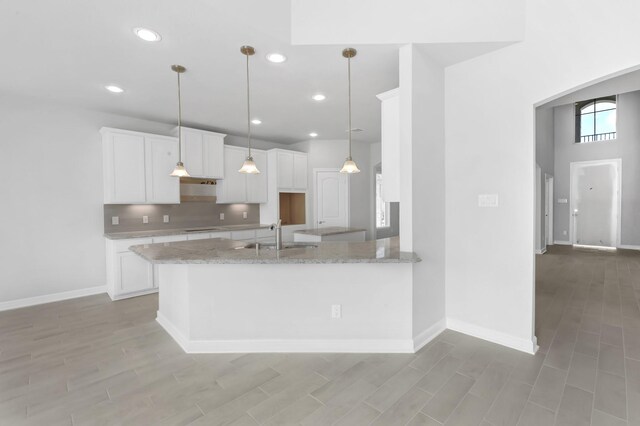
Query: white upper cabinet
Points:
[161, 157]
[291, 169]
[136, 168]
[238, 187]
[203, 153]
[233, 188]
[299, 171]
[390, 135]
[285, 169]
[257, 184]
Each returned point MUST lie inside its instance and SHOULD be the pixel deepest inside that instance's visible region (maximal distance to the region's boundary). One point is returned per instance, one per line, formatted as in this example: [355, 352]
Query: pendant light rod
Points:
[248, 51]
[179, 171]
[349, 53]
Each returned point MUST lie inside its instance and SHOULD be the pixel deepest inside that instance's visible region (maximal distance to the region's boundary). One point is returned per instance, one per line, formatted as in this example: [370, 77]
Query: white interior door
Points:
[595, 202]
[332, 198]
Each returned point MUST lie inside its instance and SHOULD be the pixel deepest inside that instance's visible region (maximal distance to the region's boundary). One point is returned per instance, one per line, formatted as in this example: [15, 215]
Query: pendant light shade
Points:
[179, 170]
[249, 166]
[349, 165]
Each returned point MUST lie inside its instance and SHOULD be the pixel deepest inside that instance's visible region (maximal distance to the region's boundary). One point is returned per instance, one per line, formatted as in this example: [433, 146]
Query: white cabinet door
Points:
[162, 155]
[257, 191]
[192, 150]
[285, 169]
[300, 171]
[233, 188]
[133, 273]
[124, 168]
[213, 155]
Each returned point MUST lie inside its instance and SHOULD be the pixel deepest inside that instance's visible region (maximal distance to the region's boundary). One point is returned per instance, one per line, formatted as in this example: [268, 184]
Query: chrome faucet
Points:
[278, 228]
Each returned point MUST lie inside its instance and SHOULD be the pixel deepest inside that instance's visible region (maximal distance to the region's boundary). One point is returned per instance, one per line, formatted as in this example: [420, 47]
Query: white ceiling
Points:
[67, 51]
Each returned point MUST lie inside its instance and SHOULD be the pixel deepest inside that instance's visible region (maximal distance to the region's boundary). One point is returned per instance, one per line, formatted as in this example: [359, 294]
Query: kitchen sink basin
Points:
[272, 246]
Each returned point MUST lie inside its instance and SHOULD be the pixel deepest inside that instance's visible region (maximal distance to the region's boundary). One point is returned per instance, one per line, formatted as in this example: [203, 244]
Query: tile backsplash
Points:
[185, 215]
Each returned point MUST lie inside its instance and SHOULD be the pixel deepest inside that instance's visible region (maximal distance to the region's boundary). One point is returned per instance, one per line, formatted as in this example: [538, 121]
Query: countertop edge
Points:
[114, 236]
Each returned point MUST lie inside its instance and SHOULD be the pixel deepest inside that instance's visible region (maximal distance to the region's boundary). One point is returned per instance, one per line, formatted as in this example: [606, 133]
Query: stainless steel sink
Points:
[272, 246]
[202, 230]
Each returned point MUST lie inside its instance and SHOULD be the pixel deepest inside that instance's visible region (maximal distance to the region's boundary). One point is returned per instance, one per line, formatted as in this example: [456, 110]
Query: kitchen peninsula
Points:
[220, 295]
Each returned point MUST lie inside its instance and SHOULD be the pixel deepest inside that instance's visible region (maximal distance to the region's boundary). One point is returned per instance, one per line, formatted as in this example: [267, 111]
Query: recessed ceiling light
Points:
[114, 89]
[256, 121]
[146, 34]
[319, 97]
[313, 134]
[276, 58]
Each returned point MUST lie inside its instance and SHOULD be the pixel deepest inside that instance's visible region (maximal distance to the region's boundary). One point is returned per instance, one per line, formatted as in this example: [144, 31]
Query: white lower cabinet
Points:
[128, 274]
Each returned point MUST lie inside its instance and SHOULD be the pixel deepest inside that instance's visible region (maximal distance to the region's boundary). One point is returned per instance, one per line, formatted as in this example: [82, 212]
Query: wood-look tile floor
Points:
[91, 361]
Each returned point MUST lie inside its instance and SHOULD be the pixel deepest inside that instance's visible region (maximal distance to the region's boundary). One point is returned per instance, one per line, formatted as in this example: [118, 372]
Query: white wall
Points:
[626, 146]
[490, 149]
[51, 220]
[331, 154]
[425, 80]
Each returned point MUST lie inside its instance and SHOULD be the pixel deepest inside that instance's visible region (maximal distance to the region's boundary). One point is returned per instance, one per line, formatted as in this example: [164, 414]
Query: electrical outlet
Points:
[336, 311]
[115, 220]
[165, 218]
[145, 219]
[221, 216]
[244, 215]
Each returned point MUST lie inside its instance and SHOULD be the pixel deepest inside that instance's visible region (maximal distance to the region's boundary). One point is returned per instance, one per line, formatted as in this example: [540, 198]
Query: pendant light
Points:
[349, 165]
[249, 166]
[179, 170]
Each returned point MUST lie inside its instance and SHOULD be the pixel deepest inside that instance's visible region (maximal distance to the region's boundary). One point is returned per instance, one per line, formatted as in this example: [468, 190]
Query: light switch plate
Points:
[165, 218]
[488, 200]
[145, 219]
[244, 215]
[115, 220]
[221, 216]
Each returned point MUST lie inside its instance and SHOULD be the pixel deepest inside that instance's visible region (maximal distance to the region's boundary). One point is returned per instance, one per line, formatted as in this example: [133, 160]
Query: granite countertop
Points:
[181, 231]
[218, 250]
[330, 230]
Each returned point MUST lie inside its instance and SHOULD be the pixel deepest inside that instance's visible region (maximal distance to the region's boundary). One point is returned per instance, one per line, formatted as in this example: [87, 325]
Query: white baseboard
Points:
[48, 298]
[279, 346]
[562, 243]
[524, 345]
[628, 247]
[429, 334]
[541, 251]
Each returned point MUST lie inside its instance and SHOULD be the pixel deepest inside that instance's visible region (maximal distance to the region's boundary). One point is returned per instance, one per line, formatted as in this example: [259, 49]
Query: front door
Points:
[595, 202]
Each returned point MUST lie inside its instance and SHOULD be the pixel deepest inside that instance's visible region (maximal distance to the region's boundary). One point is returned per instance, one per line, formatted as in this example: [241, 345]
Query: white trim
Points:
[548, 187]
[524, 345]
[55, 297]
[278, 346]
[135, 293]
[562, 243]
[429, 334]
[543, 250]
[573, 166]
[629, 247]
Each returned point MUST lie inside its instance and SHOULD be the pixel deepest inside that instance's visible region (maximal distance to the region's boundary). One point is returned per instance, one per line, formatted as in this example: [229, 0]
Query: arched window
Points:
[596, 120]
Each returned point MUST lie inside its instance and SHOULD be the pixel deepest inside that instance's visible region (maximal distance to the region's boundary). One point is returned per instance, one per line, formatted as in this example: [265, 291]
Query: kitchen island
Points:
[219, 295]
